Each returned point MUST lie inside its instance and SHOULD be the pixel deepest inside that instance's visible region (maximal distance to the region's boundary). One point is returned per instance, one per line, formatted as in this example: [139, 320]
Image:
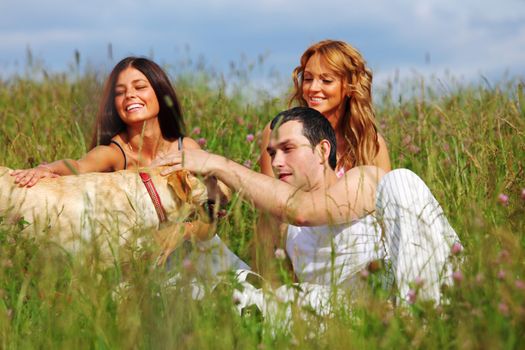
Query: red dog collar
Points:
[150, 187]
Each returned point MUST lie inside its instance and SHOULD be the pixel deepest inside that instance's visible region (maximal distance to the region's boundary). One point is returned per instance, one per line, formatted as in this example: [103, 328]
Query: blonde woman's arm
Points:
[382, 159]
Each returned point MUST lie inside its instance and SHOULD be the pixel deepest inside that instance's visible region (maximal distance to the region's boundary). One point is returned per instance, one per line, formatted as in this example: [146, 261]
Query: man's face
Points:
[294, 160]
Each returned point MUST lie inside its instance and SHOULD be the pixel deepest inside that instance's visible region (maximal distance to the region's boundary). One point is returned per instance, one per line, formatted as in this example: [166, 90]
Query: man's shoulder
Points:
[356, 174]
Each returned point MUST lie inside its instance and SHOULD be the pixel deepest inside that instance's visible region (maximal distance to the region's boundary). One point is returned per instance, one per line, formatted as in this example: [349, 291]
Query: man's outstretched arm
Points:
[349, 198]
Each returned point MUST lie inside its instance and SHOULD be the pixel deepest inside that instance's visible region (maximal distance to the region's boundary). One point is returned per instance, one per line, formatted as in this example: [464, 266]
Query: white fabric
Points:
[209, 259]
[306, 294]
[333, 254]
[418, 236]
[277, 305]
[212, 257]
[416, 239]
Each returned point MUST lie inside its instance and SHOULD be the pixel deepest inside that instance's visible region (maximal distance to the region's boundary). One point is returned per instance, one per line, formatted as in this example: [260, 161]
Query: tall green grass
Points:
[467, 142]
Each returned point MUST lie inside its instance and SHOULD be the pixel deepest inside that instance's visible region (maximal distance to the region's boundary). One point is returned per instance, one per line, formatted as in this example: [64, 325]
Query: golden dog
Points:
[107, 207]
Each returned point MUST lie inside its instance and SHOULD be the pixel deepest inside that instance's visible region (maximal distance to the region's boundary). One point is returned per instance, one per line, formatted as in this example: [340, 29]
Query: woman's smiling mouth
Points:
[134, 107]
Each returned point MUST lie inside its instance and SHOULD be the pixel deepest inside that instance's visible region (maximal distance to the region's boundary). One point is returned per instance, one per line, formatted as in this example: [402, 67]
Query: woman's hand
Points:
[29, 177]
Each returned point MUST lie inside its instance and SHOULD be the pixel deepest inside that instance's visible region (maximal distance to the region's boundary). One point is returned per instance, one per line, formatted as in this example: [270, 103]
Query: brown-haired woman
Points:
[139, 120]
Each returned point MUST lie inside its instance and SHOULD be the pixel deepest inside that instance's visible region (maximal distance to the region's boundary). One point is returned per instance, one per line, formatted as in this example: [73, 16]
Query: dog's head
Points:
[193, 221]
[188, 189]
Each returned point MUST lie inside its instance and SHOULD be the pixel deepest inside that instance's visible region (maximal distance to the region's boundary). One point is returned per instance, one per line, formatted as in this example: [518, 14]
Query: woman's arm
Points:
[100, 158]
[265, 162]
[382, 159]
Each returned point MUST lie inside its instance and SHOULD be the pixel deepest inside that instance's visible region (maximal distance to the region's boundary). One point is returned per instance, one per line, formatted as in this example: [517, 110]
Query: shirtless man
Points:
[337, 226]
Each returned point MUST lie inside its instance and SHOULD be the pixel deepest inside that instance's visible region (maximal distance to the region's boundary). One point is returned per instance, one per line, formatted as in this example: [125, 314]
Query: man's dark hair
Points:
[315, 128]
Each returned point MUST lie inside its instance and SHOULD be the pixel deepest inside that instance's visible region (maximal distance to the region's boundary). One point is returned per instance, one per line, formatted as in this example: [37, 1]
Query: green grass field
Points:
[467, 142]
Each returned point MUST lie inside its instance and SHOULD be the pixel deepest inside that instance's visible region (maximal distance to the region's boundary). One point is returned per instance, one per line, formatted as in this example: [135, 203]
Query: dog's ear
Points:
[179, 182]
[188, 188]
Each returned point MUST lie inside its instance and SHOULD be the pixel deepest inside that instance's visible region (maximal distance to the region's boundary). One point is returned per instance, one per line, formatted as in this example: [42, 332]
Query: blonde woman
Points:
[333, 78]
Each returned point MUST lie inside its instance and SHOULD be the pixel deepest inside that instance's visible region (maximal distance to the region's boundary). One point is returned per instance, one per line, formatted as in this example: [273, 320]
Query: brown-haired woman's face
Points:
[323, 88]
[135, 99]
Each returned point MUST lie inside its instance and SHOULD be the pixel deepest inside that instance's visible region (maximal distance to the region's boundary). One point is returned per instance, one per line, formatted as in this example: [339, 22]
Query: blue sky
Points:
[467, 38]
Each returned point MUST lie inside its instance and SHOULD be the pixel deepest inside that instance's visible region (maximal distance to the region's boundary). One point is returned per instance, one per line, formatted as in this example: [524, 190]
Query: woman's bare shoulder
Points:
[188, 142]
[102, 158]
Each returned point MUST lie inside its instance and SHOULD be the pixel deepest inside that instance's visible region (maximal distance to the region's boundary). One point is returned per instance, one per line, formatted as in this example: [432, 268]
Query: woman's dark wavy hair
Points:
[108, 122]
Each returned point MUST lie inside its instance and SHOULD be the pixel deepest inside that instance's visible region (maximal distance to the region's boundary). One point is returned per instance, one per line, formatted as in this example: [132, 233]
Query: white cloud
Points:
[465, 37]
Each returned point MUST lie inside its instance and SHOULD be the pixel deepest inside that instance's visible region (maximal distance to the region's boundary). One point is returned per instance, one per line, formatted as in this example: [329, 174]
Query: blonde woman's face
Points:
[323, 89]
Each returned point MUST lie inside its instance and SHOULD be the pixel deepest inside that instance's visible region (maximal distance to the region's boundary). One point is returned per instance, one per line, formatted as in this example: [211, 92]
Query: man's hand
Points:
[194, 160]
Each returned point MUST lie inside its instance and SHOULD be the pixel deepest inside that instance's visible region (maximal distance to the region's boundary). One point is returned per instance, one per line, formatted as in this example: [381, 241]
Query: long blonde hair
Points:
[357, 125]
